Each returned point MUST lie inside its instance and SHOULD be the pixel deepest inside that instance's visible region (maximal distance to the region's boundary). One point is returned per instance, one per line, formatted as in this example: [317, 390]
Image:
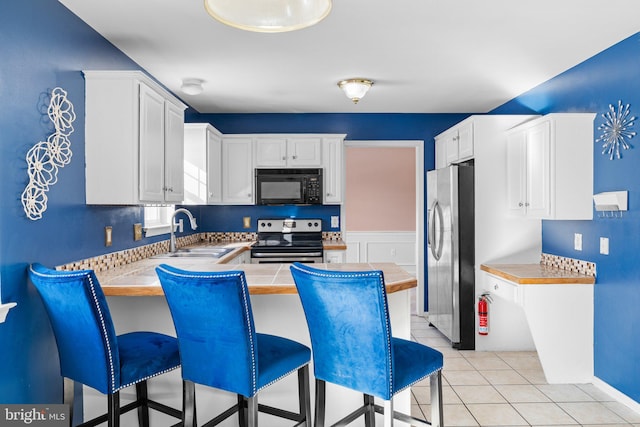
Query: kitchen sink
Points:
[201, 252]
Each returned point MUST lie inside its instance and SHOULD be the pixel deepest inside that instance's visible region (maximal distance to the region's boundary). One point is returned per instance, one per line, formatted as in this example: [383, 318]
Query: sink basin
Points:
[202, 252]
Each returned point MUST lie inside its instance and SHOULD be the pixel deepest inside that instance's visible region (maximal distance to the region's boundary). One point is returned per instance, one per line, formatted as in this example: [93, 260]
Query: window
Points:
[157, 219]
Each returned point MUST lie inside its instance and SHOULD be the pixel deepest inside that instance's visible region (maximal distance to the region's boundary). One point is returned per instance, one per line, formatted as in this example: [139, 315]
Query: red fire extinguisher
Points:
[483, 314]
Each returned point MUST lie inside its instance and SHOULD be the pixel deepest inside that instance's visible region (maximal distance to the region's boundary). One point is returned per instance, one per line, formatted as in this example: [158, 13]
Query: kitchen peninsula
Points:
[136, 302]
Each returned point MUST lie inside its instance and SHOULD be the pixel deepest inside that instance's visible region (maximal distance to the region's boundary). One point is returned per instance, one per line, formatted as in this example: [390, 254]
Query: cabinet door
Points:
[174, 154]
[270, 152]
[151, 173]
[333, 170]
[465, 142]
[538, 202]
[214, 168]
[441, 153]
[516, 174]
[237, 171]
[451, 142]
[304, 152]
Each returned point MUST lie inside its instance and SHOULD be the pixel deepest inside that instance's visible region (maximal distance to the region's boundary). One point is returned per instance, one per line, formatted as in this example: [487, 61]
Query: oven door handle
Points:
[285, 254]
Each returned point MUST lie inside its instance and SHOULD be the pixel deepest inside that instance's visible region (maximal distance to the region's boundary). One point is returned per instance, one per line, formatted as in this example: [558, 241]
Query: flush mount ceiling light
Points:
[192, 86]
[355, 89]
[268, 16]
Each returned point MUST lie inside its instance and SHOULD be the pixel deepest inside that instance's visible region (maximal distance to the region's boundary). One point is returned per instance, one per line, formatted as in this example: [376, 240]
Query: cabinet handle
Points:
[284, 157]
[527, 204]
[295, 157]
[520, 204]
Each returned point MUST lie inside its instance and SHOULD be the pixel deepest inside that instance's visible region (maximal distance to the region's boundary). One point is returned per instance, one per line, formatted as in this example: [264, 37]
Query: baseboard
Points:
[617, 395]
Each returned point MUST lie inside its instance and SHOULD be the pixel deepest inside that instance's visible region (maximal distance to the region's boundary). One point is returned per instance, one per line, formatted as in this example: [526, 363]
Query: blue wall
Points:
[590, 87]
[43, 45]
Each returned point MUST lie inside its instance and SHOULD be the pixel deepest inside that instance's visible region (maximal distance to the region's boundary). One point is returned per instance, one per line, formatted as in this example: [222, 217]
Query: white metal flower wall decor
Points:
[46, 157]
[615, 130]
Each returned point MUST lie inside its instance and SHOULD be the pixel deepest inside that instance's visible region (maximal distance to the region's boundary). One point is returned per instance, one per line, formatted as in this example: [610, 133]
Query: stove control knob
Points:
[262, 224]
[309, 224]
[315, 224]
[268, 224]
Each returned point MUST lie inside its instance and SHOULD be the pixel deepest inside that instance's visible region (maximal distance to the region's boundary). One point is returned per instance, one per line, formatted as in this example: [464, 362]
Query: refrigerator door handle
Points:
[436, 245]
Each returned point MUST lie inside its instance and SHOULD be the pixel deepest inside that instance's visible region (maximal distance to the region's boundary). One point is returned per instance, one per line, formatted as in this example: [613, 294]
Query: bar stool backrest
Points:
[214, 324]
[348, 319]
[82, 325]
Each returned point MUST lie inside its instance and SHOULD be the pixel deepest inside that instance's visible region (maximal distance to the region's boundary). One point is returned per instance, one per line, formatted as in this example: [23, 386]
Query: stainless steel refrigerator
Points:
[450, 259]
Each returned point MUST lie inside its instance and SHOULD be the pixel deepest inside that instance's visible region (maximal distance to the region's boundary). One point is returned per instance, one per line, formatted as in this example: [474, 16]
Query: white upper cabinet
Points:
[134, 140]
[550, 167]
[237, 171]
[283, 151]
[220, 169]
[455, 144]
[333, 155]
[202, 164]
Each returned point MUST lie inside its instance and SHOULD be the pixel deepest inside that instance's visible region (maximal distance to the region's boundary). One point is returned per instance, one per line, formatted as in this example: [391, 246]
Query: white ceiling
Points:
[425, 56]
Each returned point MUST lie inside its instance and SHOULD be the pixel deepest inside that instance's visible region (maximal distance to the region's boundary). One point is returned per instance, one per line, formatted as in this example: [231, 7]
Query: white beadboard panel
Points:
[387, 246]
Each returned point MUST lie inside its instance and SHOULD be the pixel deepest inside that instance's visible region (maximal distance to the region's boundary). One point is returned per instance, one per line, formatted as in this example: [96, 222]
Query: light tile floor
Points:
[509, 389]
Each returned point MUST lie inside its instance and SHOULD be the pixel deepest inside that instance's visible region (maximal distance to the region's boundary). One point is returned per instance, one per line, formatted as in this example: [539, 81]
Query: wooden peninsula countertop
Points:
[536, 274]
[140, 278]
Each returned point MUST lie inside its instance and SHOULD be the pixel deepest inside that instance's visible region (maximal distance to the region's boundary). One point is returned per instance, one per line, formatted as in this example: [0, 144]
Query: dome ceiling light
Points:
[192, 86]
[268, 16]
[355, 89]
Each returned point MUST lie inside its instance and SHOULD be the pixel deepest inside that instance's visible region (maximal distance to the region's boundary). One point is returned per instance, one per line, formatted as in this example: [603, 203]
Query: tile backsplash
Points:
[127, 256]
[569, 264]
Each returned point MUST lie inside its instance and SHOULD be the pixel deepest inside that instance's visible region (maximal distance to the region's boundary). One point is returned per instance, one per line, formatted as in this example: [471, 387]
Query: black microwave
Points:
[288, 186]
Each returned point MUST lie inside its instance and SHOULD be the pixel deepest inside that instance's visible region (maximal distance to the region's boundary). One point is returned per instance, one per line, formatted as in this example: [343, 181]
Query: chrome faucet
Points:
[192, 220]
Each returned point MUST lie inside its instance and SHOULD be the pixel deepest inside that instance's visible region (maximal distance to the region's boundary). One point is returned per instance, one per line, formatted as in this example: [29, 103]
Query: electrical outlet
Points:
[335, 221]
[137, 231]
[604, 245]
[246, 222]
[577, 241]
[108, 240]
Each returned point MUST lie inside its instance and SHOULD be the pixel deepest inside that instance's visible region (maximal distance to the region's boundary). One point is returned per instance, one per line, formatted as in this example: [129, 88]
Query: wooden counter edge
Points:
[141, 291]
[586, 280]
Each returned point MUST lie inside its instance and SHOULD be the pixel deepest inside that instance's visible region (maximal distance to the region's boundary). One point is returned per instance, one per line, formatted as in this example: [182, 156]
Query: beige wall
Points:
[380, 189]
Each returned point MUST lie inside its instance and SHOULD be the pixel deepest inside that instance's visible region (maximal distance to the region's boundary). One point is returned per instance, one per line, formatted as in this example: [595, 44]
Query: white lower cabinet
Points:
[334, 256]
[550, 167]
[134, 140]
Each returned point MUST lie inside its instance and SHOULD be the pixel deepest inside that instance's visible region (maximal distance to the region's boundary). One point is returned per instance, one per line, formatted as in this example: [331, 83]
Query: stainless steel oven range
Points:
[288, 240]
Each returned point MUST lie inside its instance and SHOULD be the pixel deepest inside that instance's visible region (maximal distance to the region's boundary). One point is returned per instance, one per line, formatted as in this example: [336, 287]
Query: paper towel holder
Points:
[612, 202]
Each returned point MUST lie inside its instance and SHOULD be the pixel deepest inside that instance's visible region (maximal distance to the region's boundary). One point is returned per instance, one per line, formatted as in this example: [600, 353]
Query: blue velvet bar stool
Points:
[220, 348]
[348, 319]
[90, 352]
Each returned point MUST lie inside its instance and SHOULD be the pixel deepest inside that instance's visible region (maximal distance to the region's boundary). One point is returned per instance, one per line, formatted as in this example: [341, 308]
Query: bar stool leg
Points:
[252, 411]
[113, 409]
[242, 411]
[370, 414]
[188, 404]
[304, 399]
[388, 413]
[143, 409]
[437, 418]
[321, 393]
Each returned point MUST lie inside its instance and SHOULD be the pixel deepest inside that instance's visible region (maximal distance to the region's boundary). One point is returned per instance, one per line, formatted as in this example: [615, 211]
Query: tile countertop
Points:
[536, 274]
[139, 278]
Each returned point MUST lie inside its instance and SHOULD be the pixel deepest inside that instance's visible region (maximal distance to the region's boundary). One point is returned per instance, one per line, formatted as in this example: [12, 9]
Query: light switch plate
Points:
[335, 221]
[246, 222]
[604, 245]
[137, 231]
[577, 241]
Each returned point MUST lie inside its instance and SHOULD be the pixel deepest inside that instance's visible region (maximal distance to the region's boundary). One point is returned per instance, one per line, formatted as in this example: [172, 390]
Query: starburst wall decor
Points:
[615, 130]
